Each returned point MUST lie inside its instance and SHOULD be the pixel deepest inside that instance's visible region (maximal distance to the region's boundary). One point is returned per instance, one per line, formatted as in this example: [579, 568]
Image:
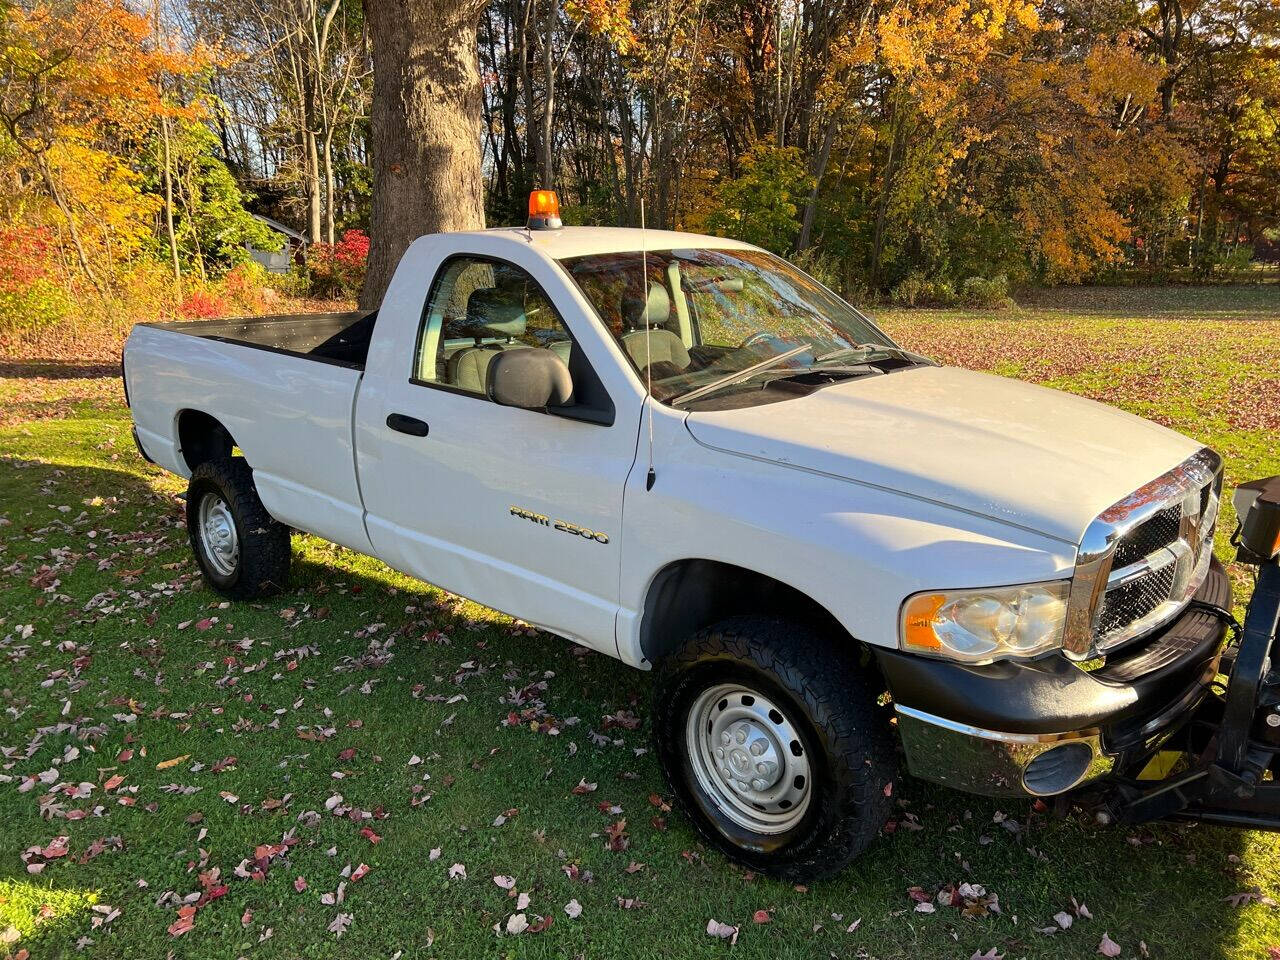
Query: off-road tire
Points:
[831, 701]
[263, 565]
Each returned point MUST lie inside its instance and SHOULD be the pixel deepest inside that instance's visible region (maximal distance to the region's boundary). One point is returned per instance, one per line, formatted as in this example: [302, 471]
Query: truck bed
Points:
[332, 337]
[283, 388]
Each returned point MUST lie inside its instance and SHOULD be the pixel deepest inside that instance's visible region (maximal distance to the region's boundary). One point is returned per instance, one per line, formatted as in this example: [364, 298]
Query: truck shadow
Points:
[56, 370]
[1138, 882]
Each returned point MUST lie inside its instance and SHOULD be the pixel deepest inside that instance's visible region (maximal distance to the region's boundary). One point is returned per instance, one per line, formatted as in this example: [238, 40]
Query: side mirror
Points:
[530, 378]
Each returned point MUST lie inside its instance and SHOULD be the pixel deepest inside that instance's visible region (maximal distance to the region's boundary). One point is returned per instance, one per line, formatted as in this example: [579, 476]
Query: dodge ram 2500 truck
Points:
[685, 453]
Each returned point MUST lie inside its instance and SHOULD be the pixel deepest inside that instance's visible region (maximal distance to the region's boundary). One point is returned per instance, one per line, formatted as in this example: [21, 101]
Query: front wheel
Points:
[243, 552]
[772, 741]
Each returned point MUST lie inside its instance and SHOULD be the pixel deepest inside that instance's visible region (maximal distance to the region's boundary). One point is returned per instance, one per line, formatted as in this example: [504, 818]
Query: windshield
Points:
[705, 322]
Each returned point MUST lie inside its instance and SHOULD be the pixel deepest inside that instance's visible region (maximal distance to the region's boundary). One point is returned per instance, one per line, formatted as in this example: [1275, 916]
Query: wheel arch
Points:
[687, 595]
[201, 438]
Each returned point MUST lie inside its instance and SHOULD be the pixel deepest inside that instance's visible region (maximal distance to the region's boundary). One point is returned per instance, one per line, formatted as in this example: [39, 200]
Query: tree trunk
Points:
[819, 170]
[46, 173]
[330, 198]
[167, 157]
[313, 184]
[425, 120]
[532, 151]
[886, 188]
[549, 102]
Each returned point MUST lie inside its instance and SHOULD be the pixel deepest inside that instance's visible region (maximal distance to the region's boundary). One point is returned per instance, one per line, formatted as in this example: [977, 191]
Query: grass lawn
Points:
[343, 771]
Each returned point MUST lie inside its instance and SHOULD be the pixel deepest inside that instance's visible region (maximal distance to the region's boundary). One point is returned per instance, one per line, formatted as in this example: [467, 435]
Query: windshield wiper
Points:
[844, 351]
[731, 378]
[872, 348]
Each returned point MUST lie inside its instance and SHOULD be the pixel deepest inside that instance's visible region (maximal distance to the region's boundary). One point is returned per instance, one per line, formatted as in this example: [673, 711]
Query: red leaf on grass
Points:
[185, 923]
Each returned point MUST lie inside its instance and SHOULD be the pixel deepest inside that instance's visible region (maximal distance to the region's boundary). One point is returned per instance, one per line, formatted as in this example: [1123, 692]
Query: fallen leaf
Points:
[1245, 897]
[506, 883]
[185, 923]
[542, 923]
[1108, 947]
[574, 909]
[722, 930]
[166, 764]
[517, 923]
[761, 916]
[458, 870]
[340, 924]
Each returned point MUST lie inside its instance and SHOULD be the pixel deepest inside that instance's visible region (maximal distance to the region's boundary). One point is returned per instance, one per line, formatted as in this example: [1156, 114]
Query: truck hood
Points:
[1012, 451]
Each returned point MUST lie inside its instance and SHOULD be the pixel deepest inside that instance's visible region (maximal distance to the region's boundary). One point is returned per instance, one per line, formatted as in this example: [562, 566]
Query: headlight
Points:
[986, 624]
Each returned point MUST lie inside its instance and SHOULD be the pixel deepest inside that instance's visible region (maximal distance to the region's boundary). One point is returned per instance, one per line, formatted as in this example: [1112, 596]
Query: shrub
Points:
[32, 298]
[248, 288]
[203, 304]
[916, 290]
[981, 292]
[820, 265]
[337, 271]
[32, 310]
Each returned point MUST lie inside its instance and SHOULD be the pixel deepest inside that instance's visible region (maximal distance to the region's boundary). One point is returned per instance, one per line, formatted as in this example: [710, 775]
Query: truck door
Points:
[516, 509]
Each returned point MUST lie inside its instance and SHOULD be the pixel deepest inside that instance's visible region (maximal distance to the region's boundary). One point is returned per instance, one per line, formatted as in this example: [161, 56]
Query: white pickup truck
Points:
[684, 453]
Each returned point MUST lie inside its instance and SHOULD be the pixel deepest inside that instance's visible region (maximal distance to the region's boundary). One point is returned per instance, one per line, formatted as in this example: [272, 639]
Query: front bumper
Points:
[1041, 727]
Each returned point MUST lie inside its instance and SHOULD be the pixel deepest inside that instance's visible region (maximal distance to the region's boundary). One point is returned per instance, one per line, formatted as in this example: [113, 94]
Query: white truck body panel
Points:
[440, 508]
[858, 550]
[1038, 458]
[856, 495]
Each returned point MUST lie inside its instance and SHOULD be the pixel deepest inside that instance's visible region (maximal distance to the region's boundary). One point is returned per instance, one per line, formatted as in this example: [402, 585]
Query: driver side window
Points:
[480, 308]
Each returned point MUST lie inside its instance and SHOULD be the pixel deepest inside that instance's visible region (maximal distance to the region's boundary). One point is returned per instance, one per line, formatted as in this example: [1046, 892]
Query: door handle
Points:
[406, 424]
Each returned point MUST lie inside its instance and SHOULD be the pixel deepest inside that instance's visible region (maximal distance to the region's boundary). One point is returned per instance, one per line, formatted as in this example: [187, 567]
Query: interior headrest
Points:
[495, 313]
[654, 311]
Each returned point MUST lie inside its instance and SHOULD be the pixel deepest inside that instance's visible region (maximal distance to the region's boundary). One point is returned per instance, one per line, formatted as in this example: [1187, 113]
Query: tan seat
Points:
[491, 313]
[649, 341]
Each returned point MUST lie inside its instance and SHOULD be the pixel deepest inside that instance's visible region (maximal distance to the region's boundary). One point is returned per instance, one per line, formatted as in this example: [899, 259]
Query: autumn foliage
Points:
[924, 151]
[338, 270]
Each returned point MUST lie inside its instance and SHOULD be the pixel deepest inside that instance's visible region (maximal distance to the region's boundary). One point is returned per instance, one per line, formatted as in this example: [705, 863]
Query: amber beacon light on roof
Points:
[544, 210]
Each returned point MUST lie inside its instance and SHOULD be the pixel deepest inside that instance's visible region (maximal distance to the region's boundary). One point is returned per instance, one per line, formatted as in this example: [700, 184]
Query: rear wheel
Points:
[242, 551]
[773, 744]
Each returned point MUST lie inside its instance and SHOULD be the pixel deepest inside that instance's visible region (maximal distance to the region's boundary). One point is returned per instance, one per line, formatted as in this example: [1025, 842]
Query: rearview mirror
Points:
[530, 378]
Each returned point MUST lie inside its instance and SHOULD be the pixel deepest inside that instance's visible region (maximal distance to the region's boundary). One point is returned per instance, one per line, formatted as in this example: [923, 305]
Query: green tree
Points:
[211, 224]
[762, 205]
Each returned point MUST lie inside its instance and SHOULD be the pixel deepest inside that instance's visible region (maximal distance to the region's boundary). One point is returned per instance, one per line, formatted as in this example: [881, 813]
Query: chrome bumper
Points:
[999, 764]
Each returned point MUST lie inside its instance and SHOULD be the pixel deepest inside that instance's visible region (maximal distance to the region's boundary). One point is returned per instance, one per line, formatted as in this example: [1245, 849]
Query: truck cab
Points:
[838, 557]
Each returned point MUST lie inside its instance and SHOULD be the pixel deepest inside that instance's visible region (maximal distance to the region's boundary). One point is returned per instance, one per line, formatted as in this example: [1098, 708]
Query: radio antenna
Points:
[651, 476]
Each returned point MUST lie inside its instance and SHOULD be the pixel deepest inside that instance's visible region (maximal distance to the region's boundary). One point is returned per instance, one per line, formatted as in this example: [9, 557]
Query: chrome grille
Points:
[1144, 558]
[1127, 602]
[1148, 536]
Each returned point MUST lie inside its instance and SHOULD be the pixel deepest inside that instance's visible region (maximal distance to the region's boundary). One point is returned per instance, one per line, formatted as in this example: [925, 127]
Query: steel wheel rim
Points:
[748, 758]
[219, 540]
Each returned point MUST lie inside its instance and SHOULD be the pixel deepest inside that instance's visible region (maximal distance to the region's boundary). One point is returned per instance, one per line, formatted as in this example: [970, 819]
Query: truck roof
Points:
[581, 241]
